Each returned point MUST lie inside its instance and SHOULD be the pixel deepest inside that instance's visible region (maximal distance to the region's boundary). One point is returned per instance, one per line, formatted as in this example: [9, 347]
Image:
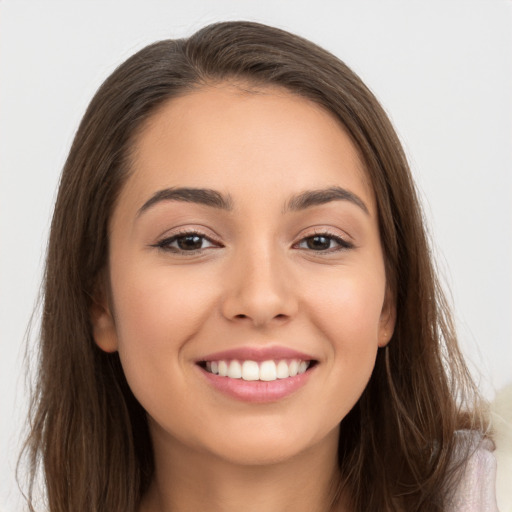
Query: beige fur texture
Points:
[501, 410]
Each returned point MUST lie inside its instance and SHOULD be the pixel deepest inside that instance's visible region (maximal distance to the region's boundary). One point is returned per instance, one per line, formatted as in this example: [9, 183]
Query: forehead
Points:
[224, 135]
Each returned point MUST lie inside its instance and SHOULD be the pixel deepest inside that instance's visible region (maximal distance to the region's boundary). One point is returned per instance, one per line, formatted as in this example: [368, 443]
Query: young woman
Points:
[240, 309]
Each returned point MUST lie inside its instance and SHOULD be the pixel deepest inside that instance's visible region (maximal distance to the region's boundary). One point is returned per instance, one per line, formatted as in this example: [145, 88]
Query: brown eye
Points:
[190, 242]
[318, 243]
[324, 243]
[186, 242]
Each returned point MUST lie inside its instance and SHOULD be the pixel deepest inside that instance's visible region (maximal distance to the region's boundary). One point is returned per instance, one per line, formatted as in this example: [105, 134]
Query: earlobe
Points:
[387, 319]
[103, 325]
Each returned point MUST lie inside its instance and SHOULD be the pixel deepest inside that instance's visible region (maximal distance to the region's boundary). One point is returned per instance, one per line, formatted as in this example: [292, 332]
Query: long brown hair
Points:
[89, 434]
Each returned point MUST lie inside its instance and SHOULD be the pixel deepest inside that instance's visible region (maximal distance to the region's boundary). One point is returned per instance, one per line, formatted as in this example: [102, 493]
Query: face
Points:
[247, 292]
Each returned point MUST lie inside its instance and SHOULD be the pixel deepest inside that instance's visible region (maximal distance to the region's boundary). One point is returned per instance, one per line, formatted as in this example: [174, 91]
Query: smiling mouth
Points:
[266, 371]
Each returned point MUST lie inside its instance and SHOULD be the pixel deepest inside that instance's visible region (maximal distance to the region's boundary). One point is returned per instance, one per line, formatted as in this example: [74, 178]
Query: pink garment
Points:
[477, 489]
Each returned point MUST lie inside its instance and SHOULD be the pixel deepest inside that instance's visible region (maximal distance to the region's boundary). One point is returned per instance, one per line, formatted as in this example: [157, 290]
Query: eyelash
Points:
[165, 244]
[342, 243]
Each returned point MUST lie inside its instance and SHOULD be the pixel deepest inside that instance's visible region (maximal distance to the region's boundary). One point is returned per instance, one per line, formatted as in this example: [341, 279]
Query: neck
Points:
[190, 480]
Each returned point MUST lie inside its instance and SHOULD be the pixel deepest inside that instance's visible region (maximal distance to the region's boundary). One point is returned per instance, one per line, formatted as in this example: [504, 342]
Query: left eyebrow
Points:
[202, 196]
[311, 198]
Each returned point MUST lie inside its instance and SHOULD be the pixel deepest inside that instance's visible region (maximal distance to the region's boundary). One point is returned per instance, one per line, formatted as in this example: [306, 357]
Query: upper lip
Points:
[257, 354]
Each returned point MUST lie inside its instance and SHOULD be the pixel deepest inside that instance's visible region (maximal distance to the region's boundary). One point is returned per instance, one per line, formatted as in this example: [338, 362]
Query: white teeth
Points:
[268, 371]
[235, 370]
[223, 368]
[251, 370]
[282, 370]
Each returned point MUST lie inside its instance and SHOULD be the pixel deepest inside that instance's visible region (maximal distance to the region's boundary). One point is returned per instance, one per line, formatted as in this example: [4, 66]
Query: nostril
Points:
[279, 316]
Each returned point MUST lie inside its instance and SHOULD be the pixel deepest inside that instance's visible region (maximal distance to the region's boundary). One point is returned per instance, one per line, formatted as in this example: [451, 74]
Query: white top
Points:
[477, 489]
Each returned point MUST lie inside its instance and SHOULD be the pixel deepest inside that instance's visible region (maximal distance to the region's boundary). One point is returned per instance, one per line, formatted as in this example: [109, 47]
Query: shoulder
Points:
[486, 484]
[476, 490]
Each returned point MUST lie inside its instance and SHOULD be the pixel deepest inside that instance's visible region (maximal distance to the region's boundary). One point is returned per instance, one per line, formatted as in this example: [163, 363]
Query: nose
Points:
[259, 290]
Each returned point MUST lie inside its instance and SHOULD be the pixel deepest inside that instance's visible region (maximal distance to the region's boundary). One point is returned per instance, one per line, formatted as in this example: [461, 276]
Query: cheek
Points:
[348, 306]
[155, 305]
[157, 310]
[347, 311]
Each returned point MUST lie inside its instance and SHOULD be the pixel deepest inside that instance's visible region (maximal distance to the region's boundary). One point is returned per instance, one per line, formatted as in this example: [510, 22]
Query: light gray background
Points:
[441, 69]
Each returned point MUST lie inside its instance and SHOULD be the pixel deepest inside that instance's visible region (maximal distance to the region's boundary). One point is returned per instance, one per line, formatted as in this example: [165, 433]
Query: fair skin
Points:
[262, 267]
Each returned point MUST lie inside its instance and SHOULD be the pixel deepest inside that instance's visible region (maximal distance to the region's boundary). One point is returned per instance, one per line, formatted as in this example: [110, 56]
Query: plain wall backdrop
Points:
[442, 69]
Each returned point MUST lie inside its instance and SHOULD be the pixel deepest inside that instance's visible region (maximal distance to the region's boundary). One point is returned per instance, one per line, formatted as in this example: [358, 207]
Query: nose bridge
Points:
[260, 289]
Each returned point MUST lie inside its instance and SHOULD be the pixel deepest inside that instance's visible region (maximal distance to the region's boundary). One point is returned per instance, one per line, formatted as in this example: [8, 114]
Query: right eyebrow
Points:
[202, 196]
[311, 198]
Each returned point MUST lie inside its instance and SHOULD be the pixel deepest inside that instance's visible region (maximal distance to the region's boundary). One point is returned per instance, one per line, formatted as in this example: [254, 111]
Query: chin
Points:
[269, 446]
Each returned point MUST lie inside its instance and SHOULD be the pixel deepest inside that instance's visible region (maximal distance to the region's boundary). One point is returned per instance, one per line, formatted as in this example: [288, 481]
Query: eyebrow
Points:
[203, 196]
[214, 199]
[312, 198]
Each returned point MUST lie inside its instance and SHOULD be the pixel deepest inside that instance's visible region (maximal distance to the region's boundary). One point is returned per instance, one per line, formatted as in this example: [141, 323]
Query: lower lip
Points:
[257, 391]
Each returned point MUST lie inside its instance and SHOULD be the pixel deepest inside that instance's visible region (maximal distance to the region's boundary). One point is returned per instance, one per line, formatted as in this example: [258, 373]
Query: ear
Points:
[387, 318]
[102, 320]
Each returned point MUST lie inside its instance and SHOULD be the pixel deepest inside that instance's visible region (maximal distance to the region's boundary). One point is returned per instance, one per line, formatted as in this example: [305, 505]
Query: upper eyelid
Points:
[188, 231]
[342, 241]
[329, 232]
[183, 235]
[164, 242]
